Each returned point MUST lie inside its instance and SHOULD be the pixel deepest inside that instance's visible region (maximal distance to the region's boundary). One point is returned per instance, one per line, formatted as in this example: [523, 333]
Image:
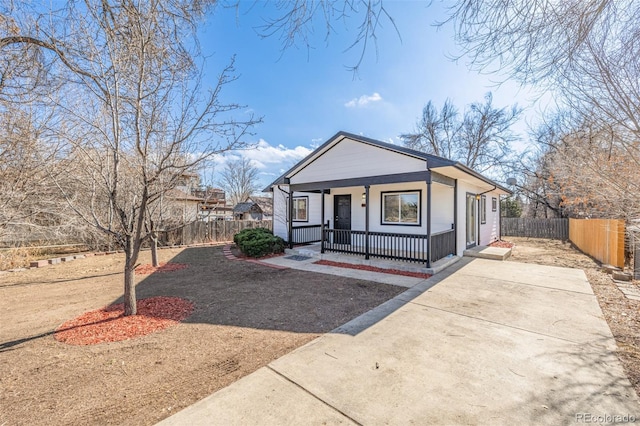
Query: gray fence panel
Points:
[535, 228]
[208, 232]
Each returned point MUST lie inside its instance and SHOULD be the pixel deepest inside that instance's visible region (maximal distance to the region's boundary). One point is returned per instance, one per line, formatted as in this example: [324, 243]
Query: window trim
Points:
[494, 204]
[398, 192]
[300, 197]
[483, 209]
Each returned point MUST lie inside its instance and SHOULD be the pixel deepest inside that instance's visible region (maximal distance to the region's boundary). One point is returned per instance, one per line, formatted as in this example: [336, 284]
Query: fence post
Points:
[636, 256]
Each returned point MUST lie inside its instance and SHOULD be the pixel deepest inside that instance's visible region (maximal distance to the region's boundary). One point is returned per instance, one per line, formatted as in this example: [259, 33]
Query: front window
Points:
[401, 208]
[300, 209]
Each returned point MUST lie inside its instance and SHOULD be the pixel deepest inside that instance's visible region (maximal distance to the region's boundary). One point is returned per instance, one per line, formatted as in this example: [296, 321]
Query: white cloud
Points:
[363, 100]
[270, 160]
[315, 142]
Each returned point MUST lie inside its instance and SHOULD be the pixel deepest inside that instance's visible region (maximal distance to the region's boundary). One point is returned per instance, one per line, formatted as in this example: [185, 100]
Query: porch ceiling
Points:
[470, 177]
[363, 181]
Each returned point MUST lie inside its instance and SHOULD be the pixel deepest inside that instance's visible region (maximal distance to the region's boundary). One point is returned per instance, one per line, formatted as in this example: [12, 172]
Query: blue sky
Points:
[306, 96]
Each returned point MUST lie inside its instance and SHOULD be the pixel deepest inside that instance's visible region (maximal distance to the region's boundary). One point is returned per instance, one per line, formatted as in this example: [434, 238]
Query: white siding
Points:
[280, 210]
[441, 207]
[375, 208]
[441, 213]
[349, 159]
[489, 231]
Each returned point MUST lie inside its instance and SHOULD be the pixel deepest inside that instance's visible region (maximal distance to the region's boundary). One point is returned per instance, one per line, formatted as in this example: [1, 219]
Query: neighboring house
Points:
[214, 204]
[181, 207]
[266, 204]
[247, 211]
[377, 199]
[184, 205]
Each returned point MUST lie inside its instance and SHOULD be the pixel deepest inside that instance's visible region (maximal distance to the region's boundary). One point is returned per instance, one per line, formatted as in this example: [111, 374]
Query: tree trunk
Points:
[130, 303]
[154, 250]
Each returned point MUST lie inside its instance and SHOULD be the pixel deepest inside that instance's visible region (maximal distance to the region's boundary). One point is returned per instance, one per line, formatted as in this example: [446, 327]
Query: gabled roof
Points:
[265, 203]
[433, 161]
[246, 207]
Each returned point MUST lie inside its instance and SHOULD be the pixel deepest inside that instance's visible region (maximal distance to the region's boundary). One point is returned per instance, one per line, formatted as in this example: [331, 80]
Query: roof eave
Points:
[485, 179]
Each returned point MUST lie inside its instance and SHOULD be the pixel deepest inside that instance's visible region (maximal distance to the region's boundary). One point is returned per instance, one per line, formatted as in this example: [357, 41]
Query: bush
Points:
[258, 242]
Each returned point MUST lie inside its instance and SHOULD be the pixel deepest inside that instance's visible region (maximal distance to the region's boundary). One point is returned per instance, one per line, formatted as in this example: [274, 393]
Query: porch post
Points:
[429, 219]
[366, 222]
[455, 216]
[290, 218]
[322, 221]
[499, 217]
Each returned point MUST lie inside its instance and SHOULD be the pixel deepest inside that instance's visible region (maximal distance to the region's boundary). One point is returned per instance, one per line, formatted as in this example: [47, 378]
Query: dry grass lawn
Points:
[246, 315]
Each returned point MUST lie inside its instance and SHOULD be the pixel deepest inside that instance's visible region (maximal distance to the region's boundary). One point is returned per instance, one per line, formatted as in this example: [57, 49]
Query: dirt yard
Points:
[622, 314]
[246, 315]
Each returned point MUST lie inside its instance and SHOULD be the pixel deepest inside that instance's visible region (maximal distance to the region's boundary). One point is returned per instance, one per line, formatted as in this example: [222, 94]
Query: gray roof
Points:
[245, 207]
[433, 161]
[265, 203]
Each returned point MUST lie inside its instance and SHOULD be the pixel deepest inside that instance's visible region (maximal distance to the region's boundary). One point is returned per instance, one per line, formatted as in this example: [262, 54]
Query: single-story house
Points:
[249, 210]
[362, 196]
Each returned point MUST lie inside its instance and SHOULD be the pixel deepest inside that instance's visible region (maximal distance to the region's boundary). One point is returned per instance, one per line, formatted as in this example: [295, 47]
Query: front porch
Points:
[314, 251]
[426, 249]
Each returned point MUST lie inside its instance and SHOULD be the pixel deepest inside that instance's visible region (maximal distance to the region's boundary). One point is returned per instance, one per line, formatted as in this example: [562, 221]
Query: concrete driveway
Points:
[484, 342]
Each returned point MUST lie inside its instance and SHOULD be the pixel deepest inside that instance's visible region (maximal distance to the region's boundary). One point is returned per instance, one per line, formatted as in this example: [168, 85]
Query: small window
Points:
[401, 208]
[300, 209]
[494, 204]
[483, 209]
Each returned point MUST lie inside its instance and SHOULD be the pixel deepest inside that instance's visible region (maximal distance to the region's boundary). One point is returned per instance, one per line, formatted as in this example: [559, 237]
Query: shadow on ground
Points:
[245, 294]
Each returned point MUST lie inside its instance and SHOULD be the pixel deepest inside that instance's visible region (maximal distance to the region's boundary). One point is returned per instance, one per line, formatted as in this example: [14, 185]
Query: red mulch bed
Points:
[373, 269]
[110, 325]
[163, 267]
[501, 244]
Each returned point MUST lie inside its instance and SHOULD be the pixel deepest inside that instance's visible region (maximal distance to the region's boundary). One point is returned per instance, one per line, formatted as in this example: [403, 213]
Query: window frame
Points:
[483, 209]
[494, 204]
[294, 212]
[401, 192]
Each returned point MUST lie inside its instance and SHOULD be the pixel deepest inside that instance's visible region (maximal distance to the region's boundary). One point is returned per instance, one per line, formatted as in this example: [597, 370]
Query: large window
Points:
[300, 209]
[401, 208]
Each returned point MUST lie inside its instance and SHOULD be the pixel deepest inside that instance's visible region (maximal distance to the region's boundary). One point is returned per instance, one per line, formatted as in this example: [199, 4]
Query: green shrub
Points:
[258, 242]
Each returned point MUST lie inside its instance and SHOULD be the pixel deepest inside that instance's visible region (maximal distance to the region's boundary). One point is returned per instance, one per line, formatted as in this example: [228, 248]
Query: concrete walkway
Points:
[484, 342]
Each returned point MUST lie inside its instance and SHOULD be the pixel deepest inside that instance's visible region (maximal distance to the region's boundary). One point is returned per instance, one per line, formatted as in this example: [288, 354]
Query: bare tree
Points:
[31, 209]
[132, 112]
[588, 55]
[240, 180]
[581, 170]
[297, 19]
[481, 140]
[436, 133]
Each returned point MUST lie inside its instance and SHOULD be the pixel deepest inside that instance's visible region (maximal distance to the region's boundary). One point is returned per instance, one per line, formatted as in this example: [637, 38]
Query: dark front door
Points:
[342, 218]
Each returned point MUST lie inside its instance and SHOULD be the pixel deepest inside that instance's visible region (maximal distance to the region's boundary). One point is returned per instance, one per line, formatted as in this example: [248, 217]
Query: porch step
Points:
[484, 252]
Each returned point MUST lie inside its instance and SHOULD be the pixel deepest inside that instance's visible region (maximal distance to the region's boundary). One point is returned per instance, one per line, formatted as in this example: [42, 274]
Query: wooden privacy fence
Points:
[603, 239]
[206, 232]
[535, 228]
